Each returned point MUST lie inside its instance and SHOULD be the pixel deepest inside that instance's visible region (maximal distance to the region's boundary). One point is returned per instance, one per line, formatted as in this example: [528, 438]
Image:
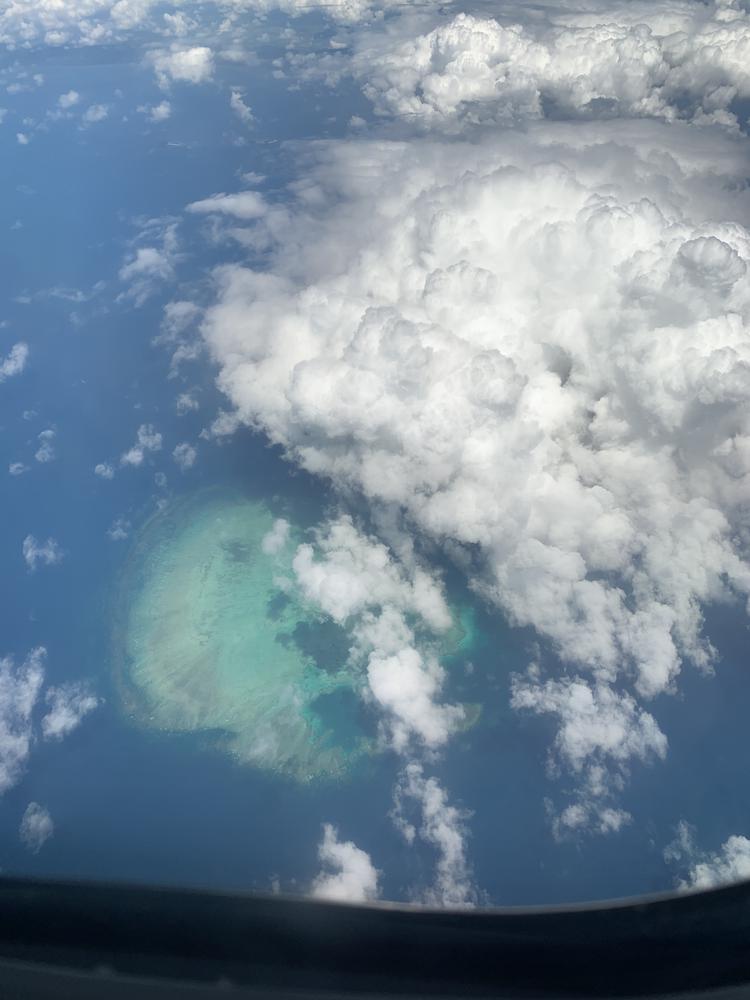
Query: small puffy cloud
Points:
[46, 450]
[36, 827]
[148, 439]
[193, 65]
[119, 530]
[22, 138]
[275, 540]
[443, 826]
[731, 863]
[17, 468]
[68, 100]
[157, 112]
[14, 361]
[37, 553]
[184, 454]
[237, 104]
[349, 875]
[152, 263]
[67, 706]
[104, 470]
[95, 113]
[184, 403]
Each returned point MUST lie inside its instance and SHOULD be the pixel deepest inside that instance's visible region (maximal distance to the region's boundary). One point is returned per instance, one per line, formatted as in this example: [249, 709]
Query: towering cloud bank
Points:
[533, 344]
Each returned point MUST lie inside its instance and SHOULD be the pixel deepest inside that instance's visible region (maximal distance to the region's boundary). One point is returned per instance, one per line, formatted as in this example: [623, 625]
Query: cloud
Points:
[119, 530]
[17, 469]
[184, 454]
[46, 450]
[95, 113]
[36, 827]
[148, 439]
[530, 348]
[354, 878]
[19, 690]
[14, 362]
[443, 826]
[731, 863]
[157, 112]
[237, 104]
[67, 706]
[186, 402]
[244, 205]
[192, 65]
[356, 580]
[104, 470]
[275, 540]
[38, 553]
[68, 100]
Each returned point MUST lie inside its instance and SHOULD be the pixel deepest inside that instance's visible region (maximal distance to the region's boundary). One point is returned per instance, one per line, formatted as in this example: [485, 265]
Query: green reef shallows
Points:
[216, 641]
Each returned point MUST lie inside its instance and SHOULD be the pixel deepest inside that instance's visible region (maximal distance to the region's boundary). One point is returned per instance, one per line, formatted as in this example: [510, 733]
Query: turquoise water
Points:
[218, 640]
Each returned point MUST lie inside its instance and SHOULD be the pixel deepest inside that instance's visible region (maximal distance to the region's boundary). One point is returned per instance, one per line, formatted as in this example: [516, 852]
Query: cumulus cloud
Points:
[37, 553]
[443, 827]
[95, 113]
[731, 863]
[36, 827]
[242, 110]
[68, 100]
[531, 347]
[349, 875]
[119, 530]
[19, 690]
[67, 706]
[275, 540]
[184, 65]
[157, 112]
[617, 61]
[17, 468]
[104, 470]
[185, 403]
[356, 580]
[46, 450]
[148, 439]
[184, 454]
[14, 361]
[244, 205]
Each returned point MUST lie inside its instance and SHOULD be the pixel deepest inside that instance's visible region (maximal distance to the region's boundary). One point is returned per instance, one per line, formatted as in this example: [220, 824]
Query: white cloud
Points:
[443, 826]
[19, 690]
[157, 112]
[531, 345]
[36, 827]
[184, 454]
[119, 530]
[14, 361]
[67, 706]
[731, 863]
[244, 205]
[22, 138]
[104, 470]
[237, 104]
[68, 100]
[353, 879]
[193, 65]
[95, 113]
[275, 540]
[38, 553]
[148, 439]
[184, 403]
[356, 580]
[46, 450]
[17, 468]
